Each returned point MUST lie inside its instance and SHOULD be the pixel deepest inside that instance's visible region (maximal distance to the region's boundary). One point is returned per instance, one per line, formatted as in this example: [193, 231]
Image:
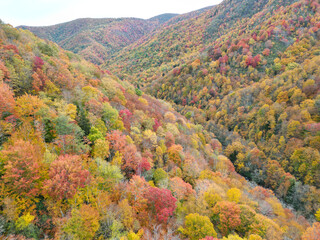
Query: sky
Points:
[50, 12]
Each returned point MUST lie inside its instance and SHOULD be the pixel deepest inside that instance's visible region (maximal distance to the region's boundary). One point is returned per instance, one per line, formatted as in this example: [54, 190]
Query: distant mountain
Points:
[162, 18]
[95, 39]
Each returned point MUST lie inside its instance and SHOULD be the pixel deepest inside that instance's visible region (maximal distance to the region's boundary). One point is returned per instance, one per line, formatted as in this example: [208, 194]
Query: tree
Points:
[197, 227]
[255, 237]
[69, 136]
[160, 177]
[247, 217]
[66, 175]
[211, 197]
[136, 191]
[94, 106]
[83, 224]
[170, 117]
[110, 115]
[174, 154]
[312, 233]
[39, 80]
[37, 63]
[7, 102]
[118, 140]
[180, 189]
[227, 216]
[306, 165]
[28, 106]
[24, 171]
[234, 195]
[209, 238]
[149, 140]
[126, 117]
[110, 173]
[131, 160]
[266, 52]
[161, 203]
[232, 237]
[126, 211]
[100, 149]
[24, 221]
[318, 215]
[95, 134]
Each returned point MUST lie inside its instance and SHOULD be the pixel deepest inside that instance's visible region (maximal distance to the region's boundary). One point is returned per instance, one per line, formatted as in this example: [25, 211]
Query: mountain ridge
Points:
[96, 38]
[207, 66]
[96, 158]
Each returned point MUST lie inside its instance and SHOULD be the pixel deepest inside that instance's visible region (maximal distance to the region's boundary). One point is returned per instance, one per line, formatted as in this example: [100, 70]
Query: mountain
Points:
[162, 18]
[85, 155]
[247, 72]
[95, 39]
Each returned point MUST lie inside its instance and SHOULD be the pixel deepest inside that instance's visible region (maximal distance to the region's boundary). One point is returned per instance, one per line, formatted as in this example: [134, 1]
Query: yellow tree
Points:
[197, 227]
[83, 224]
[234, 195]
[318, 215]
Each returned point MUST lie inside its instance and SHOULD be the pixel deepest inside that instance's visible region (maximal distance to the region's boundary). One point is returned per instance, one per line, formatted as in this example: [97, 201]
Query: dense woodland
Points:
[86, 153]
[248, 72]
[96, 39]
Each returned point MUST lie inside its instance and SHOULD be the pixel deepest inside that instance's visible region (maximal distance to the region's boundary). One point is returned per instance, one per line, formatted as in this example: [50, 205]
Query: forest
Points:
[252, 79]
[205, 127]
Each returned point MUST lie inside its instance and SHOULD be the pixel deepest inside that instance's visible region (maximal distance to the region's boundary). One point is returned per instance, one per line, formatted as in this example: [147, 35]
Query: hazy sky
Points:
[49, 12]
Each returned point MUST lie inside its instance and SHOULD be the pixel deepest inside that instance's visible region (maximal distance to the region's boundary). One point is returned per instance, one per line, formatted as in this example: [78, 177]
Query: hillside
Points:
[95, 39]
[162, 18]
[84, 155]
[246, 71]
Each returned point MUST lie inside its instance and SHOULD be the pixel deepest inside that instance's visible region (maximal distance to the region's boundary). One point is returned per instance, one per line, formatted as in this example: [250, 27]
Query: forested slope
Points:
[95, 39]
[85, 155]
[248, 72]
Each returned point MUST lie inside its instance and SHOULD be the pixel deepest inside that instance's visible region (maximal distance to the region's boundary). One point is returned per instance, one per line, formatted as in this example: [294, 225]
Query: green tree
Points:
[160, 177]
[95, 134]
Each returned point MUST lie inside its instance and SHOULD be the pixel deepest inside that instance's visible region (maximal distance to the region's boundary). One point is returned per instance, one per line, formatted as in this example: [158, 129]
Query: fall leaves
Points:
[86, 156]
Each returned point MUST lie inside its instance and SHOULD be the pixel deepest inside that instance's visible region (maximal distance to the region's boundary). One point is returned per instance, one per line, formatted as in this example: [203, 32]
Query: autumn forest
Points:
[196, 126]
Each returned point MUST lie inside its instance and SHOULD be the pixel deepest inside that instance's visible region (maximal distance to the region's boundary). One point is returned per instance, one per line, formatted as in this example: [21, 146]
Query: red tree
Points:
[180, 189]
[156, 125]
[37, 63]
[161, 202]
[266, 52]
[117, 140]
[227, 216]
[7, 101]
[23, 169]
[126, 117]
[66, 175]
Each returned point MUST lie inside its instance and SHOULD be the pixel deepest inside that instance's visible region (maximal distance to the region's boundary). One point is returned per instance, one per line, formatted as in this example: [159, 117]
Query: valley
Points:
[203, 125]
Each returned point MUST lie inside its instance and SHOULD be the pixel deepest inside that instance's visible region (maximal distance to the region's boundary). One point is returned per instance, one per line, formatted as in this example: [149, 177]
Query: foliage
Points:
[318, 215]
[85, 156]
[246, 71]
[83, 224]
[161, 202]
[227, 216]
[197, 226]
[234, 195]
[66, 175]
[23, 169]
[312, 233]
[117, 34]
